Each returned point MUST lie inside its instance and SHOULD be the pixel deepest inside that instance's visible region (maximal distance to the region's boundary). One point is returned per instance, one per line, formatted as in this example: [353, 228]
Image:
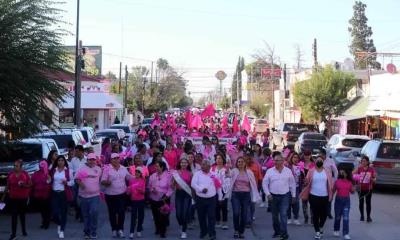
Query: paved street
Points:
[386, 216]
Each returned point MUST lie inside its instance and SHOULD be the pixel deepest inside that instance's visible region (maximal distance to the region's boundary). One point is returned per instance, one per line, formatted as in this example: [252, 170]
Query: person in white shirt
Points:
[278, 185]
[206, 185]
[62, 179]
[330, 165]
[77, 162]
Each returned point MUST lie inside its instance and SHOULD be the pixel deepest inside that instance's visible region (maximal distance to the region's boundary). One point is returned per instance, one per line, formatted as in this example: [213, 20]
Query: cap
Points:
[91, 156]
[114, 155]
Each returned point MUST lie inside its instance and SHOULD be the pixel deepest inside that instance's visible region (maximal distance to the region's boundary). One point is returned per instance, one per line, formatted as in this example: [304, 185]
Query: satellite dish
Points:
[391, 68]
[348, 64]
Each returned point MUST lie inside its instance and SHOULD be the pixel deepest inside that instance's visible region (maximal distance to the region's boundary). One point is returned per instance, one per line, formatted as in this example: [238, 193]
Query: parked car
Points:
[288, 133]
[64, 136]
[259, 125]
[311, 141]
[384, 155]
[113, 134]
[89, 135]
[126, 128]
[344, 149]
[30, 150]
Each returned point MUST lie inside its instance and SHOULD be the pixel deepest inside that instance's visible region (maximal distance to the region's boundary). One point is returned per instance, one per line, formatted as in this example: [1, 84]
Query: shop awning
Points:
[356, 110]
[93, 100]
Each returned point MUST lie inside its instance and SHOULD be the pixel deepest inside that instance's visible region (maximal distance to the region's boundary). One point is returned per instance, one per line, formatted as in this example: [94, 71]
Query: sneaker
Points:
[183, 235]
[317, 235]
[218, 225]
[336, 233]
[347, 237]
[139, 234]
[225, 227]
[131, 235]
[369, 219]
[362, 218]
[58, 230]
[13, 237]
[86, 236]
[284, 237]
[276, 235]
[93, 237]
[121, 234]
[289, 221]
[262, 205]
[297, 222]
[236, 235]
[61, 235]
[114, 234]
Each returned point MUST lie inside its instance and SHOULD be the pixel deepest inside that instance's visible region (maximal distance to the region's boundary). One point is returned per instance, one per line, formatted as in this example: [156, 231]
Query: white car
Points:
[115, 134]
[343, 149]
[63, 138]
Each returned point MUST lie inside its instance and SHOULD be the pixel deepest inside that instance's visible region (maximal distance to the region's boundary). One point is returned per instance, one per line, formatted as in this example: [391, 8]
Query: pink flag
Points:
[208, 111]
[246, 124]
[188, 119]
[224, 122]
[196, 121]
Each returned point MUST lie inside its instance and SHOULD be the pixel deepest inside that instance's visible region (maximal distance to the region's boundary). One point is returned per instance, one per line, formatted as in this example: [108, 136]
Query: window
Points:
[389, 151]
[318, 137]
[353, 142]
[61, 140]
[298, 127]
[24, 151]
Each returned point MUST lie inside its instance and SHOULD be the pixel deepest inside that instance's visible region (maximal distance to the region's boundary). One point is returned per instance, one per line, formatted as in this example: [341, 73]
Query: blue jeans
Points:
[294, 207]
[90, 210]
[183, 202]
[206, 212]
[137, 215]
[280, 206]
[59, 208]
[342, 209]
[240, 202]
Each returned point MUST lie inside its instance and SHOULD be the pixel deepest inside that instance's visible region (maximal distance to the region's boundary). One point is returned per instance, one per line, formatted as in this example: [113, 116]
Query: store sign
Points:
[267, 72]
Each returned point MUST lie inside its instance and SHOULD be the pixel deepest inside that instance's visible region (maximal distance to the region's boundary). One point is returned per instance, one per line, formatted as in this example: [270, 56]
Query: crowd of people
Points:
[165, 171]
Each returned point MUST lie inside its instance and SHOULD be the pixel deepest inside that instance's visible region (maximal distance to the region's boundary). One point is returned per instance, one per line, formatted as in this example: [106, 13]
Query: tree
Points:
[324, 95]
[361, 38]
[259, 106]
[238, 77]
[110, 75]
[225, 102]
[30, 48]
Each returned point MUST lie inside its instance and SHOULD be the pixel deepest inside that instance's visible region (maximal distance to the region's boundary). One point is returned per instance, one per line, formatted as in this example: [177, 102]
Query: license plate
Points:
[2, 188]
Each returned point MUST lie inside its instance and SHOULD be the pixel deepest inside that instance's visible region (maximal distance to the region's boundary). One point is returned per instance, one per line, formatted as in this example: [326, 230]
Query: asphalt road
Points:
[386, 219]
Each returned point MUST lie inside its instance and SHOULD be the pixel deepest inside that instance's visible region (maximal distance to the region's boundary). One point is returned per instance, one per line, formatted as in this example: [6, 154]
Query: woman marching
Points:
[220, 171]
[308, 164]
[160, 192]
[18, 186]
[319, 192]
[298, 173]
[367, 178]
[242, 190]
[183, 195]
[41, 189]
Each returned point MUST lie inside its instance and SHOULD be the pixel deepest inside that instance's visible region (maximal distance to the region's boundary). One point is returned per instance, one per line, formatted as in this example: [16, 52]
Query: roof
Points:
[93, 100]
[356, 110]
[64, 76]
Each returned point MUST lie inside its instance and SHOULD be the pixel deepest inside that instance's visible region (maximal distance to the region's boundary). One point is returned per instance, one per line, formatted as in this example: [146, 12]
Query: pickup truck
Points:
[288, 133]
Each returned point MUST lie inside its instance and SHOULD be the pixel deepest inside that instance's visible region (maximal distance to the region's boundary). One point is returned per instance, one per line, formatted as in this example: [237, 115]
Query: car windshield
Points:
[389, 151]
[106, 134]
[125, 128]
[25, 151]
[61, 140]
[298, 127]
[314, 137]
[354, 142]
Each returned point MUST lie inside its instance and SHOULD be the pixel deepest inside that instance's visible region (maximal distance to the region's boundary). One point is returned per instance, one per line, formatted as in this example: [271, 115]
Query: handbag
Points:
[305, 193]
[358, 186]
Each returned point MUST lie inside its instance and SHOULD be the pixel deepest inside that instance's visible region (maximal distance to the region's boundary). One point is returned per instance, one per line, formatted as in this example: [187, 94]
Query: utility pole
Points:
[237, 90]
[315, 53]
[126, 91]
[120, 77]
[77, 99]
[151, 79]
[273, 90]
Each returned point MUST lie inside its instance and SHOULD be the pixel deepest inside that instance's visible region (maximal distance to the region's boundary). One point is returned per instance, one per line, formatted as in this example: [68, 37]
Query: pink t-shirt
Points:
[366, 178]
[186, 176]
[242, 183]
[91, 182]
[162, 184]
[137, 188]
[118, 179]
[343, 187]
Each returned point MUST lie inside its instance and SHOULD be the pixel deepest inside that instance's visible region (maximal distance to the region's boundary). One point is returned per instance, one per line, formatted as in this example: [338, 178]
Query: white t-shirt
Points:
[319, 184]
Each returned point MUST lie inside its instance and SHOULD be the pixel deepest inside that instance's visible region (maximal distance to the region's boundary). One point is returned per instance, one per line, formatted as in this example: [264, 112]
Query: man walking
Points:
[278, 185]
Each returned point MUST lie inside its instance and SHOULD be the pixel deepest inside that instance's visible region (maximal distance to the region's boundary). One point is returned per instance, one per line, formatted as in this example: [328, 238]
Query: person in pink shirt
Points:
[114, 179]
[343, 187]
[88, 179]
[41, 189]
[171, 156]
[136, 190]
[183, 195]
[160, 186]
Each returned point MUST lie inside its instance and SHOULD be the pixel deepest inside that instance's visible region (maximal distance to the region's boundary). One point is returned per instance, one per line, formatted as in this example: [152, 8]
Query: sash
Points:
[182, 183]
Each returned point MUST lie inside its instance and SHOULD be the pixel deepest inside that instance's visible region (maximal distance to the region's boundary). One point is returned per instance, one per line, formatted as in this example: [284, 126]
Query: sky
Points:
[198, 38]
